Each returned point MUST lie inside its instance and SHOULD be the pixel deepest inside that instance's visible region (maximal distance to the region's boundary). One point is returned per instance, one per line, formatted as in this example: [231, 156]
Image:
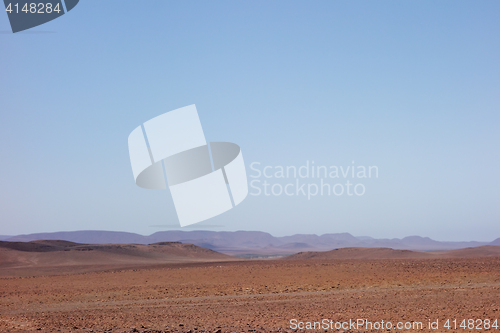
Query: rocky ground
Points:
[256, 296]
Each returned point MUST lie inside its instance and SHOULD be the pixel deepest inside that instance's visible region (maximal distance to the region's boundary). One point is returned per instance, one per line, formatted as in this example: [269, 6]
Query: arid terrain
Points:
[51, 257]
[173, 287]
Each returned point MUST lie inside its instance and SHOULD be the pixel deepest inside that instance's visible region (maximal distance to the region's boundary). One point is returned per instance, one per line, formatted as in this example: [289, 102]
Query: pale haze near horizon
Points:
[411, 87]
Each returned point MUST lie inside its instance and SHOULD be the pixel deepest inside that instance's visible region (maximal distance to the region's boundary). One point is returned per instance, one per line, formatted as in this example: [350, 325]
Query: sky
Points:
[411, 87]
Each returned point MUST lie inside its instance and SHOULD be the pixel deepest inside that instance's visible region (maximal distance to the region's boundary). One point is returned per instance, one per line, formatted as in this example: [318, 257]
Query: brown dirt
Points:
[250, 296]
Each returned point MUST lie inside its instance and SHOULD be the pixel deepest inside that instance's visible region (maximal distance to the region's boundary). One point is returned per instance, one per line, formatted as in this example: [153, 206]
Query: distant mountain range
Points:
[250, 243]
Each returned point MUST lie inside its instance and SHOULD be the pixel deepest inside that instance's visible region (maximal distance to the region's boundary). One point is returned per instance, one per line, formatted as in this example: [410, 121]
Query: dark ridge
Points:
[38, 246]
[166, 243]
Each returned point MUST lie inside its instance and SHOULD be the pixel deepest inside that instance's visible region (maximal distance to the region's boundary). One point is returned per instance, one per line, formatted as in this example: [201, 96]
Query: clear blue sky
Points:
[410, 86]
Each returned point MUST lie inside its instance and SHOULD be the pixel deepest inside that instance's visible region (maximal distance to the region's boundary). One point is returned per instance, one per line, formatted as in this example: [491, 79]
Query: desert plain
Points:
[172, 287]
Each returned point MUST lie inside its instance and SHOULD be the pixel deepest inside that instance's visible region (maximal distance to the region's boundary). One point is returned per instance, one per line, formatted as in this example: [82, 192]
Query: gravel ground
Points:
[255, 296]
